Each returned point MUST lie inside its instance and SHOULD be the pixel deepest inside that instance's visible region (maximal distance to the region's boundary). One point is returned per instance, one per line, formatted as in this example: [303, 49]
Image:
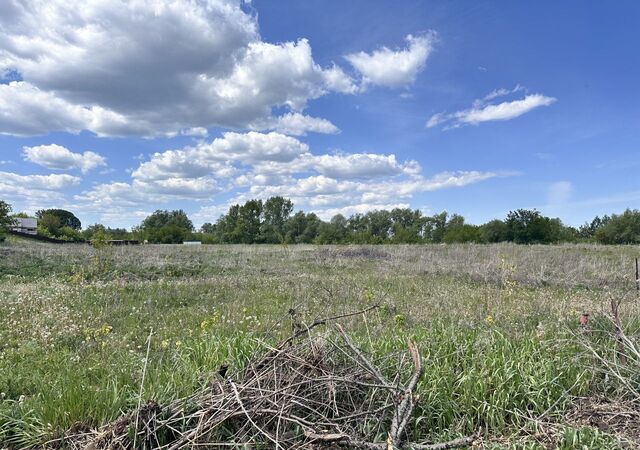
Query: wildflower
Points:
[489, 320]
[164, 344]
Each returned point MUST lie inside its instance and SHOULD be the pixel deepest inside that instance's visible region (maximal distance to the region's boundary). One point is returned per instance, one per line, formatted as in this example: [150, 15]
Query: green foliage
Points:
[272, 221]
[302, 228]
[69, 234]
[620, 228]
[111, 233]
[48, 224]
[65, 218]
[494, 231]
[530, 227]
[5, 218]
[208, 228]
[333, 232]
[275, 214]
[588, 230]
[100, 238]
[166, 227]
[463, 233]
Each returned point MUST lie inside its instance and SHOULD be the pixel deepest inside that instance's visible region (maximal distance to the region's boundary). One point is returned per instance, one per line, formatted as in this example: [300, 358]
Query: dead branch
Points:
[308, 391]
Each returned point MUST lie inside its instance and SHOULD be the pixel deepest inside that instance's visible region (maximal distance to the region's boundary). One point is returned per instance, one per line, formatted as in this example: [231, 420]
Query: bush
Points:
[463, 233]
[621, 229]
[494, 231]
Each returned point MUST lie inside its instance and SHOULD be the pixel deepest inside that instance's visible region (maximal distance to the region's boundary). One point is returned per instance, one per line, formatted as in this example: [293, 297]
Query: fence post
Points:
[637, 276]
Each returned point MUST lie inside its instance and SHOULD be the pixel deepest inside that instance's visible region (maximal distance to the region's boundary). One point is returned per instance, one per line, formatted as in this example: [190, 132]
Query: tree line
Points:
[273, 221]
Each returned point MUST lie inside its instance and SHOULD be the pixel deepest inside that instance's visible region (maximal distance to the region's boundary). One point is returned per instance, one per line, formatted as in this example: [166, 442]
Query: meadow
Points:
[87, 334]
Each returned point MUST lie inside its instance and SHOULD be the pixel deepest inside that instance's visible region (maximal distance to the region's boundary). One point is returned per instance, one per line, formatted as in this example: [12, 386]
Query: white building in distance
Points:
[27, 226]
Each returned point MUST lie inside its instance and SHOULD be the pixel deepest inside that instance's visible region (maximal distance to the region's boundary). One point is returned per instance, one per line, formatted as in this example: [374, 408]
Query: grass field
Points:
[497, 327]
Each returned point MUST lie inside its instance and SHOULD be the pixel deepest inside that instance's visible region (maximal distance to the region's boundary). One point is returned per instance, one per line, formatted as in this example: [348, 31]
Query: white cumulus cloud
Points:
[260, 165]
[55, 156]
[35, 188]
[394, 68]
[362, 165]
[296, 124]
[149, 68]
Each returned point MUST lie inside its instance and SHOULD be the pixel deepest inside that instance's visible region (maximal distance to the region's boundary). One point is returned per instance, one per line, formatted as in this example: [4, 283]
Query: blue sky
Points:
[114, 109]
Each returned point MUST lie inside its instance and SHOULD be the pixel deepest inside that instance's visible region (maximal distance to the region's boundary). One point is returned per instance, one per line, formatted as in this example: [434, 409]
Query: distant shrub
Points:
[621, 229]
[463, 233]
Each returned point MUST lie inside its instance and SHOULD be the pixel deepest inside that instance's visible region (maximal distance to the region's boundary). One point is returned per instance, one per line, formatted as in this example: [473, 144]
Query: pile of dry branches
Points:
[309, 391]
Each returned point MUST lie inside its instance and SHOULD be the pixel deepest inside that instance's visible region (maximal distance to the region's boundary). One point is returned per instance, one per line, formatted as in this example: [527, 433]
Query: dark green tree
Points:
[494, 231]
[530, 227]
[249, 222]
[66, 218]
[463, 233]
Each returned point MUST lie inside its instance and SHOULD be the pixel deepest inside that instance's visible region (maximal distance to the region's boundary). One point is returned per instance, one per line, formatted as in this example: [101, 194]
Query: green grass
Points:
[495, 326]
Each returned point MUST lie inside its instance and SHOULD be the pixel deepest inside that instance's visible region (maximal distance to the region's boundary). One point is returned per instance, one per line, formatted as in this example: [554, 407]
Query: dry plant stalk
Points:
[620, 336]
[307, 392]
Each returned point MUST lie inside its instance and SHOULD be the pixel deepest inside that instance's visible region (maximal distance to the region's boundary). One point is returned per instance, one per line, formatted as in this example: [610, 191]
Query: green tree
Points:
[589, 229]
[621, 229]
[166, 227]
[408, 225]
[494, 231]
[249, 222]
[436, 227]
[275, 212]
[89, 232]
[462, 233]
[302, 228]
[69, 234]
[333, 232]
[48, 224]
[227, 225]
[530, 227]
[5, 219]
[379, 224]
[208, 228]
[99, 238]
[65, 218]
